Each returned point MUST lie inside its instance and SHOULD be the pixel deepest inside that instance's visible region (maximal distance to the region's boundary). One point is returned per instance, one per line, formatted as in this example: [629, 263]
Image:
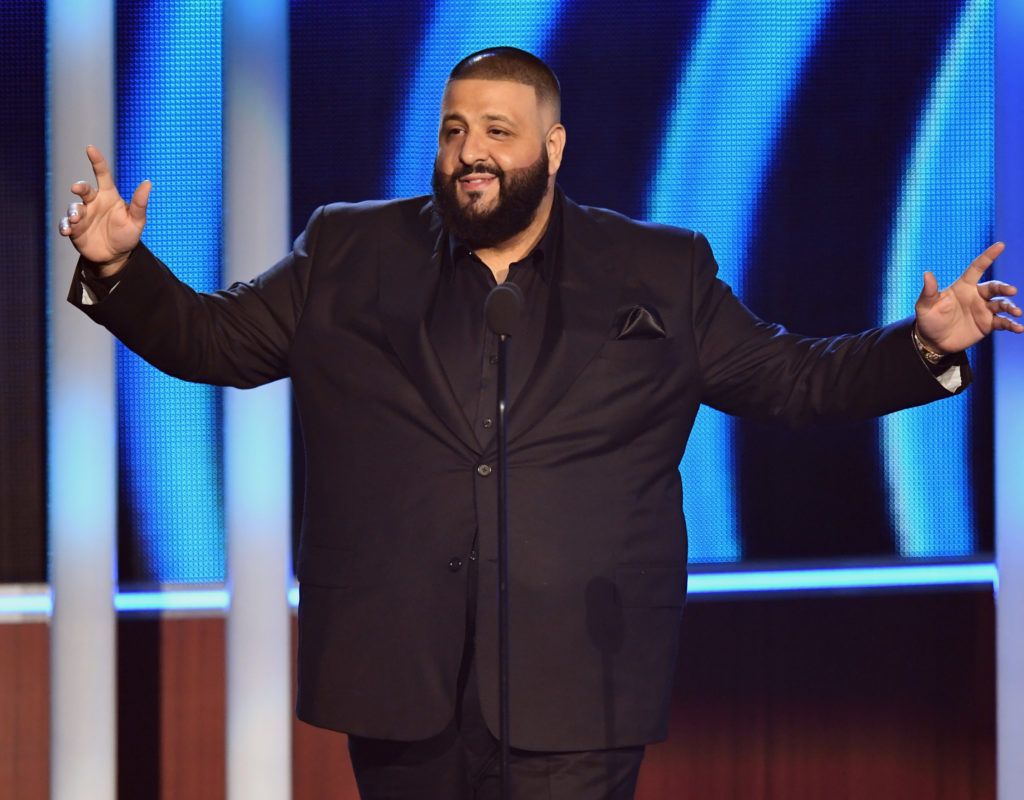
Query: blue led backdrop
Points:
[169, 117]
[830, 151]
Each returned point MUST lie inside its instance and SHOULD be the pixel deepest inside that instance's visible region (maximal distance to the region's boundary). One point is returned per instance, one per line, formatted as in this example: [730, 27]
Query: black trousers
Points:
[461, 762]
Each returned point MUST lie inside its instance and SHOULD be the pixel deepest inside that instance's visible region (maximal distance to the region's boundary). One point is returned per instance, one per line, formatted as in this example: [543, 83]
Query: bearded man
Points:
[377, 317]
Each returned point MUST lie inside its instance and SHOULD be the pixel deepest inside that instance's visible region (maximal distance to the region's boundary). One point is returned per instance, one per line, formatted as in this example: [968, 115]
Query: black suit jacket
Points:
[394, 489]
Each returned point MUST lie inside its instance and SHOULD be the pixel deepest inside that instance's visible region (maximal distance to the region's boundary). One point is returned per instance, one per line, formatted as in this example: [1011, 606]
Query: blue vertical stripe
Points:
[169, 130]
[455, 29]
[732, 97]
[944, 218]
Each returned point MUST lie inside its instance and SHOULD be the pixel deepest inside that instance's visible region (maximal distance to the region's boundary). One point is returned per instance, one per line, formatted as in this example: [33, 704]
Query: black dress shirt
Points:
[458, 331]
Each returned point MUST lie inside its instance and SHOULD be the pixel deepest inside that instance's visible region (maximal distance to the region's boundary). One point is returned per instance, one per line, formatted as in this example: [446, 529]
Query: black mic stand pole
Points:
[503, 650]
[503, 311]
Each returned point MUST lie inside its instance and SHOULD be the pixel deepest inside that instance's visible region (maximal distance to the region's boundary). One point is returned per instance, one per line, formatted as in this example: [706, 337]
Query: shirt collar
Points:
[542, 256]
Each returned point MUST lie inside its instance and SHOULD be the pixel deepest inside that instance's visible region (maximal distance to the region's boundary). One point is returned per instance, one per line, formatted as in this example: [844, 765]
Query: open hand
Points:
[967, 311]
[104, 228]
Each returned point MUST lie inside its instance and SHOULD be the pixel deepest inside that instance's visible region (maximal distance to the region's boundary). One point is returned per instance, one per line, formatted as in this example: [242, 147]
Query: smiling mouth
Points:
[477, 181]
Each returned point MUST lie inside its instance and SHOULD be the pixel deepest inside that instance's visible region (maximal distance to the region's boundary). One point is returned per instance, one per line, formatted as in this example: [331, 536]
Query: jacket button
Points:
[483, 470]
[455, 564]
[487, 423]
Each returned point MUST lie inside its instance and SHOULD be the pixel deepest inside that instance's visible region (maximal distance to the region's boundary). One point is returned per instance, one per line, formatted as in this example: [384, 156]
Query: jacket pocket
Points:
[636, 350]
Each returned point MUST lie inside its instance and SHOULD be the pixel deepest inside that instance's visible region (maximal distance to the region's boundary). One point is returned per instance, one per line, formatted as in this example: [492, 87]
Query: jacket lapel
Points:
[409, 270]
[579, 321]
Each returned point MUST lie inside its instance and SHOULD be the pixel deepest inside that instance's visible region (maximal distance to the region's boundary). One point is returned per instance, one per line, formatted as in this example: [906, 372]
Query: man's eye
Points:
[498, 132]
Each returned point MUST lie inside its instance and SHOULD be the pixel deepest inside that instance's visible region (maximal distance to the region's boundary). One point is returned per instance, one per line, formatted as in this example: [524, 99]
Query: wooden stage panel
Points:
[851, 697]
[840, 697]
[171, 708]
[25, 710]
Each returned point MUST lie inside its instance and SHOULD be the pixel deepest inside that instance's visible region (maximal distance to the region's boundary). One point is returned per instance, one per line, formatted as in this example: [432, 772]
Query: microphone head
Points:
[504, 308]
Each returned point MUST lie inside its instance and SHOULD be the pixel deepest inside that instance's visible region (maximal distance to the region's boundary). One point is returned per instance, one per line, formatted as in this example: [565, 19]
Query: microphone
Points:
[503, 309]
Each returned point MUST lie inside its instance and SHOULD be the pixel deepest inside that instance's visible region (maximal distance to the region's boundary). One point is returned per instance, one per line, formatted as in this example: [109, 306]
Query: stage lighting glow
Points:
[169, 130]
[733, 93]
[941, 230]
[843, 578]
[173, 600]
[900, 576]
[25, 603]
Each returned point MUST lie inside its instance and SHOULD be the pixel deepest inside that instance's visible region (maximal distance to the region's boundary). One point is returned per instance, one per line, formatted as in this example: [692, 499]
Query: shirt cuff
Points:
[94, 288]
[951, 379]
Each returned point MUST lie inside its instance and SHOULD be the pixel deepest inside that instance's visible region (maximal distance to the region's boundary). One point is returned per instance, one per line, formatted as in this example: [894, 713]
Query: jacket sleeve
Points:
[756, 369]
[240, 336]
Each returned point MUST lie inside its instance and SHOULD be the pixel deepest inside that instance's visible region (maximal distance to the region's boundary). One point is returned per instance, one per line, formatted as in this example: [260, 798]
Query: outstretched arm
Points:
[240, 336]
[964, 313]
[757, 369]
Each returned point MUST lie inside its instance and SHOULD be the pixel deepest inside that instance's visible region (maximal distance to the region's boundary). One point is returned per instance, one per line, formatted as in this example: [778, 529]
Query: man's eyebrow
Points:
[454, 116]
[499, 118]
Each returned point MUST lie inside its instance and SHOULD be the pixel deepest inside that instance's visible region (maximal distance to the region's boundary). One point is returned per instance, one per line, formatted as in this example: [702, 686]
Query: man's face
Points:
[493, 166]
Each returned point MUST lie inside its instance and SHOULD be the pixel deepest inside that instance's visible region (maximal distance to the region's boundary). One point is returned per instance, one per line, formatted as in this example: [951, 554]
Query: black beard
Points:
[520, 192]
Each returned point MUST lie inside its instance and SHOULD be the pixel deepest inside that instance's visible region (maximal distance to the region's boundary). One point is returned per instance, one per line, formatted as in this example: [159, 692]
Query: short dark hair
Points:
[511, 64]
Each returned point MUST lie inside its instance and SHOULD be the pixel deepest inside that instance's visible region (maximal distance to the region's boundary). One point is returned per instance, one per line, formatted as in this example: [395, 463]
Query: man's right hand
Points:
[104, 228]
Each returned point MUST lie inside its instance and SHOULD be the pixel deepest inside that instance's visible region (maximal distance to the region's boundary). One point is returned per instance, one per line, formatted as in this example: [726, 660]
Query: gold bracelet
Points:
[929, 355]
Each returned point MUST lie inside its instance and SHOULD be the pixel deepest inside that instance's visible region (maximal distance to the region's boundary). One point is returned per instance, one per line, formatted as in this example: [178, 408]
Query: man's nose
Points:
[474, 149]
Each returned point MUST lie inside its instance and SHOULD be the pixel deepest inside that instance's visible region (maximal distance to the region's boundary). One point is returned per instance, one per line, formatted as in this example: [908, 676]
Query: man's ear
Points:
[555, 143]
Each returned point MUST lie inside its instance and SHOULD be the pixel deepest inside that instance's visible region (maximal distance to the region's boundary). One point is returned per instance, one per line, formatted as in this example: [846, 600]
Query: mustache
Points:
[479, 167]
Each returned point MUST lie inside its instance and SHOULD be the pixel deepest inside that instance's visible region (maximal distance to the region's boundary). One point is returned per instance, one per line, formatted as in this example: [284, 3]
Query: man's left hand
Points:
[966, 312]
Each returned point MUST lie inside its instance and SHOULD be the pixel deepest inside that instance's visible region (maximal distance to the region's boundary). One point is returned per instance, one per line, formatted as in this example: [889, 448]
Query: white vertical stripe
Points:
[83, 431]
[256, 422]
[1009, 421]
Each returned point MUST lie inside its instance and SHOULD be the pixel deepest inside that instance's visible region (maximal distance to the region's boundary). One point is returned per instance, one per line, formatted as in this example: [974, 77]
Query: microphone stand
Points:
[503, 311]
[503, 643]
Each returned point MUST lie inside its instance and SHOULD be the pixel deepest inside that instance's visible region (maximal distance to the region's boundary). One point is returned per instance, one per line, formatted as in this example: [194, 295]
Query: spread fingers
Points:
[84, 190]
[1003, 306]
[100, 168]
